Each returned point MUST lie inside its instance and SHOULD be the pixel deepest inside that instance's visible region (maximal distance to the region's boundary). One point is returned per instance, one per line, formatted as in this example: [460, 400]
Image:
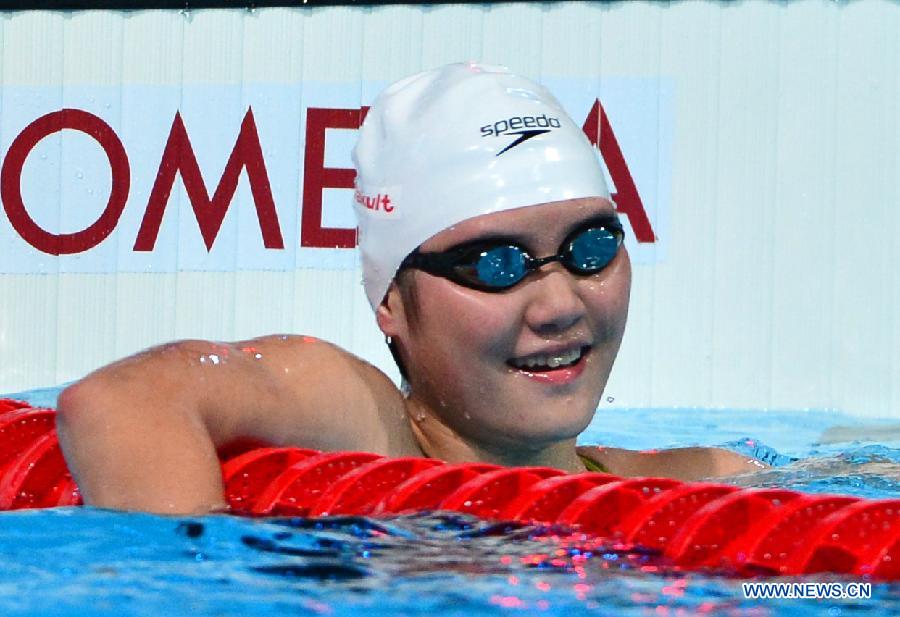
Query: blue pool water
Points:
[85, 561]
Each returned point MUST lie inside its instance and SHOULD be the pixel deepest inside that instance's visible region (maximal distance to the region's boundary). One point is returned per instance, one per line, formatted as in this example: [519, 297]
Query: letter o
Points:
[11, 180]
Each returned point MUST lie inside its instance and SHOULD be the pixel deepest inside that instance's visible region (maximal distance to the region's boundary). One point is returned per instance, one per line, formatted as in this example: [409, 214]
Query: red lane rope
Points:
[600, 509]
[704, 536]
[694, 524]
[19, 427]
[545, 501]
[247, 475]
[298, 488]
[487, 494]
[361, 490]
[427, 489]
[8, 404]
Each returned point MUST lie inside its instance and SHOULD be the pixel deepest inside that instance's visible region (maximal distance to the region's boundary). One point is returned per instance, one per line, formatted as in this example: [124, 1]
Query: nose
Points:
[555, 305]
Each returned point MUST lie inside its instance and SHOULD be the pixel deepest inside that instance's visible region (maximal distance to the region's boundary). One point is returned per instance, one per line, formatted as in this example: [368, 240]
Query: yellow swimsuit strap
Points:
[592, 465]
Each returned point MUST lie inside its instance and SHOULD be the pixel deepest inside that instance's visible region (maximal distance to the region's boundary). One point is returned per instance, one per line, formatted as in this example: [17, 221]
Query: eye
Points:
[498, 266]
[593, 249]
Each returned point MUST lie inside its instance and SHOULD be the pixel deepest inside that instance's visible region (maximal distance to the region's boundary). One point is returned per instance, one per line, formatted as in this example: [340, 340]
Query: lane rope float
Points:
[693, 524]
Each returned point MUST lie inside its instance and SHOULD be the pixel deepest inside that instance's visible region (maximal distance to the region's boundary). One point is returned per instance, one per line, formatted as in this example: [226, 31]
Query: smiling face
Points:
[471, 354]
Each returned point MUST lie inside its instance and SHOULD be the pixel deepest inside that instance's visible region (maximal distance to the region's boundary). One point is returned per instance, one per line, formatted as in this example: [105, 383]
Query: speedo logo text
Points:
[524, 127]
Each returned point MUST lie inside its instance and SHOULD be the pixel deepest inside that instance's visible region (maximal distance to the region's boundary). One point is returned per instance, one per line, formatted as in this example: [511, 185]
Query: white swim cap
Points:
[453, 143]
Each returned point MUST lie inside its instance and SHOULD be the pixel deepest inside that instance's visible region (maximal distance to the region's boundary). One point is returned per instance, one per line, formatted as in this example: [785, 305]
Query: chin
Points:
[548, 425]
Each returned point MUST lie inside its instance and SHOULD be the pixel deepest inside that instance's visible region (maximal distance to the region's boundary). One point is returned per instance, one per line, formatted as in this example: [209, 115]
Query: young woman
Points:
[493, 259]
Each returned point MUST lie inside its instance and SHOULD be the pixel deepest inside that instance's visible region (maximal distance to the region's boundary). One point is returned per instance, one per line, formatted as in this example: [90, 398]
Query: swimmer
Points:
[493, 260]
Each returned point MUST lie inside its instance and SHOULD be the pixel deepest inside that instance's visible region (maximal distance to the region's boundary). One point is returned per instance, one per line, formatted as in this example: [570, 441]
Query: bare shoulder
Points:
[347, 402]
[692, 463]
[304, 361]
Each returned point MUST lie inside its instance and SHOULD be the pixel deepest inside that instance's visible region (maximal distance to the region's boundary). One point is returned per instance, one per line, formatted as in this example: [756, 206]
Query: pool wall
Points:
[762, 141]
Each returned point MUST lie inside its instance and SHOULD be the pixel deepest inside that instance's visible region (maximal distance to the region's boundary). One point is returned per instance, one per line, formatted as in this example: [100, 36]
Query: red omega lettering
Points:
[317, 177]
[11, 182]
[178, 156]
[628, 201]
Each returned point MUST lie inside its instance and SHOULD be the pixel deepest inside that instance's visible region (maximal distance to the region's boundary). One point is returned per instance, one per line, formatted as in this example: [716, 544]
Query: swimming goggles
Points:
[497, 264]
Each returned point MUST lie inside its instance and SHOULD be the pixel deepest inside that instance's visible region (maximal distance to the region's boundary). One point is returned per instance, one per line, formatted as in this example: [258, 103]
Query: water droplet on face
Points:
[467, 415]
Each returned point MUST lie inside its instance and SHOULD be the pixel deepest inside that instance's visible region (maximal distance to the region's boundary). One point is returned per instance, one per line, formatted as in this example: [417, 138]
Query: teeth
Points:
[563, 359]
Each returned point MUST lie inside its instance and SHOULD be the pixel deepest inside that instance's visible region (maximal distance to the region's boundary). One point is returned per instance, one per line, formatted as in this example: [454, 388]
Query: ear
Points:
[390, 315]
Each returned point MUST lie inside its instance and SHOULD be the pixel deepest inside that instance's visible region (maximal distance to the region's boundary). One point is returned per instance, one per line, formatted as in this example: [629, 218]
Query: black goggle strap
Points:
[438, 264]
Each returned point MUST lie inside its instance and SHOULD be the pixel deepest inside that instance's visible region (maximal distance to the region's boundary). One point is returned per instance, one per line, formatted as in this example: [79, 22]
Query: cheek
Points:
[607, 297]
[622, 282]
[460, 318]
[458, 344]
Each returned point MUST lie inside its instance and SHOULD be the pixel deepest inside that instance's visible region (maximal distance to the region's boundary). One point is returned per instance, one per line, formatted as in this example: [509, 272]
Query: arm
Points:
[142, 433]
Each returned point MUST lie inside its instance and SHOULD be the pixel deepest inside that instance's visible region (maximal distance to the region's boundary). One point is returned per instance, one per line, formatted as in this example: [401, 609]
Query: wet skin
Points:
[142, 433]
[468, 401]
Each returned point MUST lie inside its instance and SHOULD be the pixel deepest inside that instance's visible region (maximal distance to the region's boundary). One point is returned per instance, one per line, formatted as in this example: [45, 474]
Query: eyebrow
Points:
[605, 218]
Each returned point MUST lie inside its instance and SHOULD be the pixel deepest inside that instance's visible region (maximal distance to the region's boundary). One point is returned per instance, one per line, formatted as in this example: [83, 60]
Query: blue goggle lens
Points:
[593, 249]
[501, 266]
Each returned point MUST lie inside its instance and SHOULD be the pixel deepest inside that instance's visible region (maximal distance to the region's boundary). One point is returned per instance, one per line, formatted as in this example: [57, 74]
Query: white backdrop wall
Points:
[769, 175]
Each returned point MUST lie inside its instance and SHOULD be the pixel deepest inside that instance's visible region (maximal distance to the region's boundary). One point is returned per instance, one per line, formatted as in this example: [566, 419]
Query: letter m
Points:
[178, 157]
